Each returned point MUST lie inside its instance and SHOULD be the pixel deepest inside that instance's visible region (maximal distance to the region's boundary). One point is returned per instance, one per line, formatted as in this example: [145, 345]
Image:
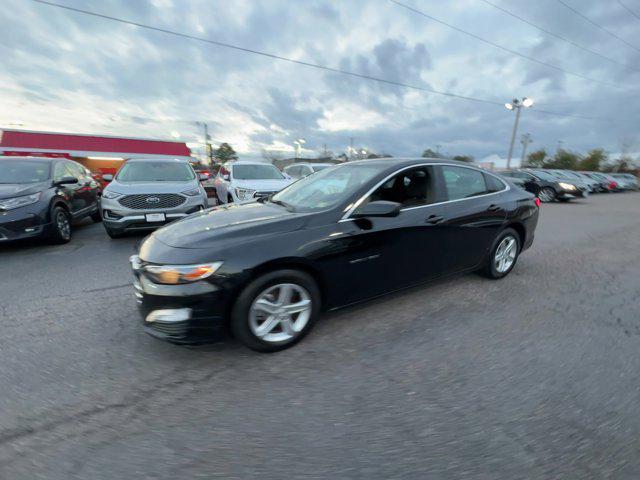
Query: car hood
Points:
[234, 222]
[263, 185]
[9, 190]
[150, 187]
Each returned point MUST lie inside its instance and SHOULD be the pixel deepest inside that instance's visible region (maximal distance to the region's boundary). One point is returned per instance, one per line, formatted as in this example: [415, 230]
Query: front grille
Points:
[263, 194]
[152, 201]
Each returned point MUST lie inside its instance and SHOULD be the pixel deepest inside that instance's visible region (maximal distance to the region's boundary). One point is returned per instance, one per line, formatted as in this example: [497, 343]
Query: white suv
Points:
[244, 181]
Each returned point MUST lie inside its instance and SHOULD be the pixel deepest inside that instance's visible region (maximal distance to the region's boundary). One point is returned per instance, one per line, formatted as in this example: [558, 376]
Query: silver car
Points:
[148, 193]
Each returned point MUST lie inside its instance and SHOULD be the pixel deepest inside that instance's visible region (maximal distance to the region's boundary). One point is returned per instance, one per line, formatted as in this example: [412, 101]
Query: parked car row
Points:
[563, 185]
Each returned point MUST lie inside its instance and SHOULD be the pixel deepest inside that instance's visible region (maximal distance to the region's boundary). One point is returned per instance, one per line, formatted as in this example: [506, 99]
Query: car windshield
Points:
[544, 176]
[256, 172]
[12, 171]
[328, 188]
[155, 172]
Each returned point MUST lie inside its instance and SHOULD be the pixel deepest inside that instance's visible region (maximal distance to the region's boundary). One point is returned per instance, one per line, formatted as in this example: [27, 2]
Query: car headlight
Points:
[108, 194]
[244, 193]
[192, 193]
[17, 202]
[567, 186]
[176, 274]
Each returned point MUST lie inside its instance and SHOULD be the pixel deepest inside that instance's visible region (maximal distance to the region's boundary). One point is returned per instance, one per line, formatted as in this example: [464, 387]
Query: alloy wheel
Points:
[63, 225]
[280, 312]
[546, 195]
[505, 254]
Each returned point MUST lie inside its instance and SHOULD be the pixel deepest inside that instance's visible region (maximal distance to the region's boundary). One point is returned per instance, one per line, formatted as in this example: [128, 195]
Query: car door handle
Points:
[494, 208]
[433, 219]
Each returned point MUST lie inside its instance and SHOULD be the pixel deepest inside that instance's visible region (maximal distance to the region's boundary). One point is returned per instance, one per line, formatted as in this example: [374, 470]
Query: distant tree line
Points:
[595, 160]
[428, 153]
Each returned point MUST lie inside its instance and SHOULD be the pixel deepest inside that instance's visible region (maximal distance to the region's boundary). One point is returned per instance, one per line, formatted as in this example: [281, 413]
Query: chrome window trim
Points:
[346, 216]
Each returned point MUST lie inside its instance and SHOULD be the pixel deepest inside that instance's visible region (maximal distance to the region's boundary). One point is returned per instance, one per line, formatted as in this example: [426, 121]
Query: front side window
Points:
[256, 172]
[410, 188]
[155, 172]
[463, 182]
[14, 171]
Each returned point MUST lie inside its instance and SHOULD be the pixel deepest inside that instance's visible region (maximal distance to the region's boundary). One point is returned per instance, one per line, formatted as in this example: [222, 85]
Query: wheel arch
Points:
[58, 202]
[292, 263]
[520, 230]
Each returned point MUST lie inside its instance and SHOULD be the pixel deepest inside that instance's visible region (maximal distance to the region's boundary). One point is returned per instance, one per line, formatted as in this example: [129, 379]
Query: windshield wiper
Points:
[286, 205]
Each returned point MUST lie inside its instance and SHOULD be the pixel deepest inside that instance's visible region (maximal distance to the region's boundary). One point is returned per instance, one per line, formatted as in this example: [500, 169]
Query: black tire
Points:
[229, 198]
[60, 225]
[96, 216]
[547, 195]
[240, 314]
[490, 269]
[113, 233]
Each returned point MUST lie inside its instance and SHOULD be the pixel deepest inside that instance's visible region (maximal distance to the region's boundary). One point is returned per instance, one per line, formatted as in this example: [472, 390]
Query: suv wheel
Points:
[229, 198]
[113, 233]
[60, 225]
[276, 310]
[96, 216]
[504, 255]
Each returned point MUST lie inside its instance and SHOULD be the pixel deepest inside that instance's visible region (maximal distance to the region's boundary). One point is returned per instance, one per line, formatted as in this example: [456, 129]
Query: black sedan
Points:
[41, 197]
[267, 269]
[547, 187]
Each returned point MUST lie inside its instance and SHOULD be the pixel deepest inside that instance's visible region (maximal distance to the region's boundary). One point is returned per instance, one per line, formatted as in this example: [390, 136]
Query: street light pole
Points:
[525, 141]
[517, 106]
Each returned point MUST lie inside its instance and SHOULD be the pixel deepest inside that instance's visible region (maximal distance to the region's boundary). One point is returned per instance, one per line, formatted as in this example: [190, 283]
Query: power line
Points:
[489, 42]
[597, 25]
[559, 37]
[265, 54]
[629, 10]
[290, 60]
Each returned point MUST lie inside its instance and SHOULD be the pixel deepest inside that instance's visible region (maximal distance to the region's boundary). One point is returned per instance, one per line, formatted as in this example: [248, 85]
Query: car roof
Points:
[249, 162]
[34, 159]
[312, 164]
[157, 159]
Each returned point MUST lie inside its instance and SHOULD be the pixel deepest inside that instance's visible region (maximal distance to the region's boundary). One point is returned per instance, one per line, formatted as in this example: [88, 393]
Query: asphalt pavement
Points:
[534, 376]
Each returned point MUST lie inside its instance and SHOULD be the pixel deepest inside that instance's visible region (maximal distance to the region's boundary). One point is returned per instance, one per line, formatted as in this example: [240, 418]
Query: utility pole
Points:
[208, 151]
[517, 106]
[525, 140]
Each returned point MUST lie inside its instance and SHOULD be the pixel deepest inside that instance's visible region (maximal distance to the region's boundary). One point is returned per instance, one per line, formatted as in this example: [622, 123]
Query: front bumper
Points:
[186, 314]
[121, 219]
[21, 223]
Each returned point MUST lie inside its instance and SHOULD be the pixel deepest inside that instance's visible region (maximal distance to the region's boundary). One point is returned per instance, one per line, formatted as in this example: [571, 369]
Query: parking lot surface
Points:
[533, 376]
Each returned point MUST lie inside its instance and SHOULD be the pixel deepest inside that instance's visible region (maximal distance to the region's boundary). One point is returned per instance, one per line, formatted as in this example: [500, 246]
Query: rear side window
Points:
[493, 184]
[462, 182]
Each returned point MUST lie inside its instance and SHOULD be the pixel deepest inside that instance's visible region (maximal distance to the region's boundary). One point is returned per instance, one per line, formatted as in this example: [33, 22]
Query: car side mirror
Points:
[203, 177]
[67, 181]
[379, 208]
[107, 177]
[226, 177]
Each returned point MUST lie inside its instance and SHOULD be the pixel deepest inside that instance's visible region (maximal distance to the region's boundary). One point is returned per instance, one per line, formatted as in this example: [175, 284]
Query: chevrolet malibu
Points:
[266, 270]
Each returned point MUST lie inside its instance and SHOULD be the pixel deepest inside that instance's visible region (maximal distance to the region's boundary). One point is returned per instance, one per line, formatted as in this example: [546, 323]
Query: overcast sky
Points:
[65, 71]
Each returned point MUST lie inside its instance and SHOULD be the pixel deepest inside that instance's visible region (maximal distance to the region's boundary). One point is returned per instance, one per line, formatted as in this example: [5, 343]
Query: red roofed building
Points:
[100, 153]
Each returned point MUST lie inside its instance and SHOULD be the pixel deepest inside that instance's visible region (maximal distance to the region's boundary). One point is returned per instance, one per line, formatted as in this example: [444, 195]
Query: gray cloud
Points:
[61, 70]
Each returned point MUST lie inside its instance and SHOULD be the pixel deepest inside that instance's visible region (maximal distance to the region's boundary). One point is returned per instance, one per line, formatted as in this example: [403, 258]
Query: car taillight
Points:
[537, 200]
[613, 185]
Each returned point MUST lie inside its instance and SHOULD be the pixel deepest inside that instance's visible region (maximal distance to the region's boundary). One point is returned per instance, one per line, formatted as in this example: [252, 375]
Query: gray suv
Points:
[148, 193]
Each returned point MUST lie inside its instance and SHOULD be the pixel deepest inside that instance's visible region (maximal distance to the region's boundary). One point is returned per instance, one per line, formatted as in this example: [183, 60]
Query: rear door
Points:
[474, 215]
